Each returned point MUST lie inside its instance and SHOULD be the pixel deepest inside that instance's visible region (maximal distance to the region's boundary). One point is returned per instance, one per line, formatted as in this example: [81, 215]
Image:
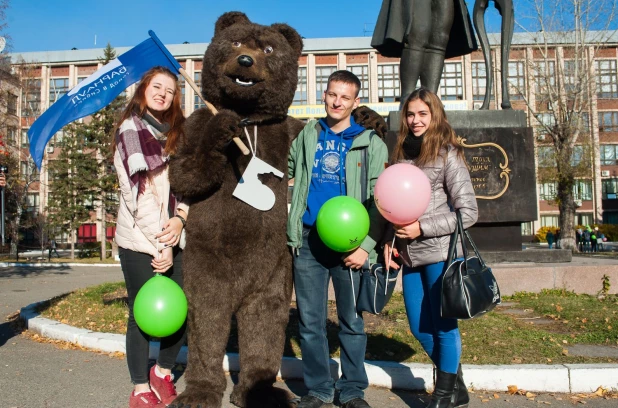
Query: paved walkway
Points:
[41, 375]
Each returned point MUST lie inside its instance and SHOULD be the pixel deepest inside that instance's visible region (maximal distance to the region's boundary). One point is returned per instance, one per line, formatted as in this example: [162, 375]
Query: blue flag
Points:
[98, 91]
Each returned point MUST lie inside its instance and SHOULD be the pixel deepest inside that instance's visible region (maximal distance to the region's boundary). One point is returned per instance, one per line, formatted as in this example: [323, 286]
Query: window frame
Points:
[452, 80]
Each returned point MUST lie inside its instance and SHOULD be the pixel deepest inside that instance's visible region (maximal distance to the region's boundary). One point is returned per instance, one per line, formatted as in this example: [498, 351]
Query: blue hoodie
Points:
[328, 175]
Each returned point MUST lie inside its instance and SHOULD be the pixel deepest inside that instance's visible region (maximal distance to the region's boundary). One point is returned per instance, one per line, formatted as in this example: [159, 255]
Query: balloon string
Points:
[390, 255]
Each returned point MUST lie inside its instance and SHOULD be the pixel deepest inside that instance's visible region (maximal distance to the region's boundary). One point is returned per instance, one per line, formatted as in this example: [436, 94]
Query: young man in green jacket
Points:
[331, 157]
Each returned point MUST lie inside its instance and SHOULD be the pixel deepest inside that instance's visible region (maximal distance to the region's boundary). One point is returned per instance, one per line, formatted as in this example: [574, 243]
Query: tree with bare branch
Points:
[568, 37]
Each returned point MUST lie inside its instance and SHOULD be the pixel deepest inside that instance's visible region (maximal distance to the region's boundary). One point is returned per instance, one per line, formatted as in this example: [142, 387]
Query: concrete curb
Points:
[50, 264]
[568, 378]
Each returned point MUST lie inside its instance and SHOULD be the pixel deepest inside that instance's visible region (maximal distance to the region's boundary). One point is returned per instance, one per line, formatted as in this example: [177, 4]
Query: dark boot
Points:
[461, 399]
[442, 396]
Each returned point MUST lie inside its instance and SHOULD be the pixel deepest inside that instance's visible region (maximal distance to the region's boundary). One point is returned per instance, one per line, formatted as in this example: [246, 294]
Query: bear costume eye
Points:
[236, 44]
[268, 50]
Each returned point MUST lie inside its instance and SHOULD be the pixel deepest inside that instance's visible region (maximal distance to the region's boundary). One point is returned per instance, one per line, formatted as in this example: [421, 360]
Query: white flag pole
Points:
[210, 107]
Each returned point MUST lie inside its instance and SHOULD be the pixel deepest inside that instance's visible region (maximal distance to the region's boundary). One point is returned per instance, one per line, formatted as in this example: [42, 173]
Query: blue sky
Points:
[46, 25]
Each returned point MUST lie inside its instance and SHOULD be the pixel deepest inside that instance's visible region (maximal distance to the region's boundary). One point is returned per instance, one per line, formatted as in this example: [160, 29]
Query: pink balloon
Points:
[402, 193]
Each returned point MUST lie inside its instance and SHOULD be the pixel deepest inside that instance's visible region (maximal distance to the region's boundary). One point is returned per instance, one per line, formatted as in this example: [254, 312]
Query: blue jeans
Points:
[422, 288]
[313, 268]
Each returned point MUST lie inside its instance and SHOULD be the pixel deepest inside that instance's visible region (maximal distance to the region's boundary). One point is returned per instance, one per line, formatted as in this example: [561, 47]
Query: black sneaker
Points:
[356, 403]
[309, 401]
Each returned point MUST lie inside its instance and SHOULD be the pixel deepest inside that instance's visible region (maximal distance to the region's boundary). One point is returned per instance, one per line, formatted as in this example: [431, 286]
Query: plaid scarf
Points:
[140, 152]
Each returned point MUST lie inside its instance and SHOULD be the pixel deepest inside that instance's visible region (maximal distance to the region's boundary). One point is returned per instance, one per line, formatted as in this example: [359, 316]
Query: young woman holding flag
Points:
[150, 221]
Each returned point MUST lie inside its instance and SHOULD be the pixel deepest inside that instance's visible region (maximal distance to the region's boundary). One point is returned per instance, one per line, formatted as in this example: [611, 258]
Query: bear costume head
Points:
[250, 68]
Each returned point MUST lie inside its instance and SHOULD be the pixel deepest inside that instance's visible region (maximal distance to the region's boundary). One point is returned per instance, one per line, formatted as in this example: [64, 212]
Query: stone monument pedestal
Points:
[499, 150]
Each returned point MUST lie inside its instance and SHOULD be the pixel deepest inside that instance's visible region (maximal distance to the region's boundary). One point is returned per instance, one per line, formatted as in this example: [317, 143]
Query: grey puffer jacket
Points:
[450, 188]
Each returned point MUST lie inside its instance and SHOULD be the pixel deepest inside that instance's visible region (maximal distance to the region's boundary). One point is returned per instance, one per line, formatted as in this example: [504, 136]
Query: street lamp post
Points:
[4, 171]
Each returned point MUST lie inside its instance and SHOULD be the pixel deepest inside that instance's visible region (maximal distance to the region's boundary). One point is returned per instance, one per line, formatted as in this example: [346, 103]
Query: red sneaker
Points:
[163, 387]
[145, 400]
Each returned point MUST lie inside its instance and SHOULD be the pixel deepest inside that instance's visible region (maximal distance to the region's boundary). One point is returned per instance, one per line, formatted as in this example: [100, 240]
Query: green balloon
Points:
[160, 307]
[342, 223]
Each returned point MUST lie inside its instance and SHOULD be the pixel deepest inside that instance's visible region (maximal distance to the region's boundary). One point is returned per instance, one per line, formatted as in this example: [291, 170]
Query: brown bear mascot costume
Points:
[236, 261]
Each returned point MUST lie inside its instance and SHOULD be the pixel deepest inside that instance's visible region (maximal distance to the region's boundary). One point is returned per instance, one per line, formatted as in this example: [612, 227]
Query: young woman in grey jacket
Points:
[427, 140]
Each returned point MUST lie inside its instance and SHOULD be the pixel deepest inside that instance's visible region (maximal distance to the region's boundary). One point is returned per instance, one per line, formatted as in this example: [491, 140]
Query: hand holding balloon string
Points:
[164, 261]
[356, 259]
[409, 231]
[389, 252]
[170, 235]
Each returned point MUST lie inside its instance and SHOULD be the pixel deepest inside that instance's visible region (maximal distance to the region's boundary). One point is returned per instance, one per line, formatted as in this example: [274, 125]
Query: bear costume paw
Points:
[197, 399]
[370, 119]
[263, 397]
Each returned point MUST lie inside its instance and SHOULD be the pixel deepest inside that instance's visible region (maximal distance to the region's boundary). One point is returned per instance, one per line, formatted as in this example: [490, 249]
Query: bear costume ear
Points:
[292, 36]
[229, 19]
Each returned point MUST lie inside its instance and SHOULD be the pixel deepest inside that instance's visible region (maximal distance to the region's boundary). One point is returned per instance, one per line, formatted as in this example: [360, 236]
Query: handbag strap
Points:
[467, 236]
[462, 232]
[452, 247]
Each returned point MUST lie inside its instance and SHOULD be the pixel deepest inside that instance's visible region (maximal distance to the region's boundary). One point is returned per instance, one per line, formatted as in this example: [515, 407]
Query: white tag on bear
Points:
[251, 190]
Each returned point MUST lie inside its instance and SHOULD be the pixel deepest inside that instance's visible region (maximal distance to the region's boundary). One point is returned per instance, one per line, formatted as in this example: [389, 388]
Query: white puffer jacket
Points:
[136, 230]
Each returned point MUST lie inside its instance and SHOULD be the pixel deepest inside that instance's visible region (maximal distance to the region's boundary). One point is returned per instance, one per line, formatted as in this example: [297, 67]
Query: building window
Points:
[57, 88]
[362, 72]
[321, 80]
[577, 156]
[547, 191]
[181, 84]
[27, 168]
[300, 96]
[610, 217]
[609, 153]
[197, 101]
[607, 79]
[584, 124]
[549, 221]
[583, 219]
[574, 76]
[11, 135]
[451, 83]
[610, 188]
[526, 228]
[517, 80]
[546, 121]
[58, 139]
[389, 89]
[32, 204]
[11, 104]
[582, 190]
[25, 142]
[546, 156]
[545, 78]
[479, 81]
[31, 97]
[608, 121]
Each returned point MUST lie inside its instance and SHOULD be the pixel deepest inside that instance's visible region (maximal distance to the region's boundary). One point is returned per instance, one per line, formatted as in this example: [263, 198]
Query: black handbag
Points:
[376, 284]
[469, 288]
[376, 287]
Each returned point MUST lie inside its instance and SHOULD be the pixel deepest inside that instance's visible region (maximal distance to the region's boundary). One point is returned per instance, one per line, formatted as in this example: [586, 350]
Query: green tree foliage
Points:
[72, 187]
[84, 177]
[100, 130]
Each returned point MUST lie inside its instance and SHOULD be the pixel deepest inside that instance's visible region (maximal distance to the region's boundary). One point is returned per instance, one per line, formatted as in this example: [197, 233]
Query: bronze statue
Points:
[505, 8]
[423, 33]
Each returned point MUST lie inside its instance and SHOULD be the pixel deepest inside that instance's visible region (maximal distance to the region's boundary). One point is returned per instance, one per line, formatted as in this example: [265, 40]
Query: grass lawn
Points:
[496, 338]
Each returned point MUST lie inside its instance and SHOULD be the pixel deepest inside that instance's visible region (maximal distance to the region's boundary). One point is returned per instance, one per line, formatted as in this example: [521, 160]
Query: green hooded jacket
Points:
[300, 165]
